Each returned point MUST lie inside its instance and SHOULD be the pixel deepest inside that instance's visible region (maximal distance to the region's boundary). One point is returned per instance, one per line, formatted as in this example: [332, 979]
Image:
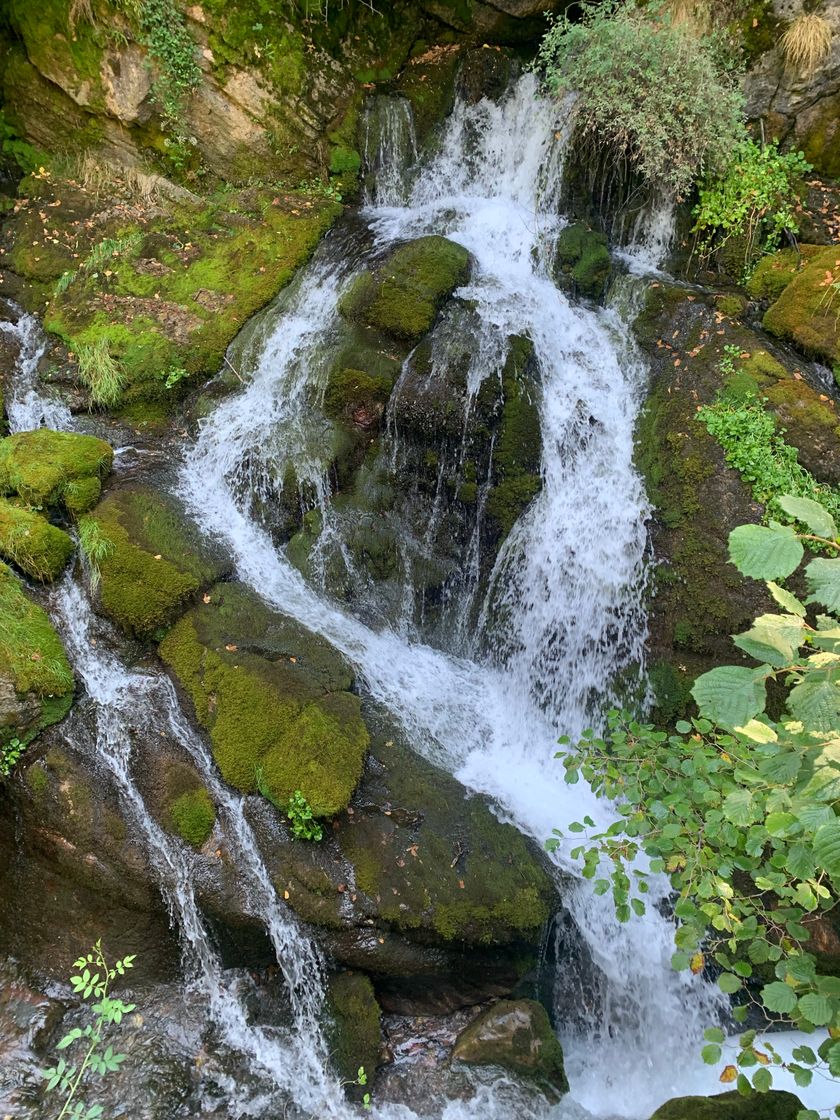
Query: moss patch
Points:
[807, 312]
[36, 681]
[404, 294]
[155, 561]
[774, 272]
[193, 816]
[28, 541]
[272, 697]
[354, 1032]
[47, 468]
[774, 1105]
[583, 259]
[517, 454]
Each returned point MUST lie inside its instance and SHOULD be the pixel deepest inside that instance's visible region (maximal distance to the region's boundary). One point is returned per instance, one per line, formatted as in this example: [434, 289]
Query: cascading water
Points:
[26, 406]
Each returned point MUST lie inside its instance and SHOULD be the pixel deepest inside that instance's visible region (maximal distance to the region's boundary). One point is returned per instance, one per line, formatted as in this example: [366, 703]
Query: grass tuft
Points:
[806, 42]
[100, 373]
[95, 547]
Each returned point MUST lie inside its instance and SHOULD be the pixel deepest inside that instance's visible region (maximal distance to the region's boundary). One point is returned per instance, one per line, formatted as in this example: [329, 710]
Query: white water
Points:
[570, 573]
[26, 406]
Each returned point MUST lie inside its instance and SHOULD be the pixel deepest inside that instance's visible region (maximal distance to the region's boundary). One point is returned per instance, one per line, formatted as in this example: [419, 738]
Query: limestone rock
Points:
[517, 1035]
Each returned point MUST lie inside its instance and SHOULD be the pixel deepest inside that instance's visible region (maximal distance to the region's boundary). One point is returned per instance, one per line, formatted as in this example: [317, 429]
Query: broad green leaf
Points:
[757, 731]
[773, 638]
[779, 997]
[816, 702]
[711, 1054]
[786, 599]
[827, 849]
[714, 1034]
[827, 634]
[834, 1060]
[800, 861]
[778, 824]
[739, 807]
[765, 553]
[816, 1008]
[810, 513]
[730, 695]
[762, 1080]
[729, 983]
[823, 578]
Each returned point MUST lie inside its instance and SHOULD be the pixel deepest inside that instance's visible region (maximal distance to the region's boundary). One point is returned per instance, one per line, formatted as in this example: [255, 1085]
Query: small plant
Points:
[755, 200]
[100, 373]
[98, 257]
[93, 980]
[361, 1081]
[10, 754]
[172, 376]
[806, 42]
[95, 547]
[297, 810]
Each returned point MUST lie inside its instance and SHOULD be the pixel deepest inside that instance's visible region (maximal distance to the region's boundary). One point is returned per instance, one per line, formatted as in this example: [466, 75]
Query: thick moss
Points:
[357, 396]
[517, 1035]
[404, 294]
[29, 542]
[517, 453]
[273, 698]
[774, 1105]
[428, 81]
[47, 468]
[583, 258]
[354, 1032]
[155, 563]
[36, 681]
[805, 313]
[774, 272]
[193, 816]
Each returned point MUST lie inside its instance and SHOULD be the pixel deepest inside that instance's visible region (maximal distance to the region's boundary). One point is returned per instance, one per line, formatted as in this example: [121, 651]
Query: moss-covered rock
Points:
[36, 681]
[807, 312]
[32, 544]
[357, 396]
[582, 260]
[403, 295]
[775, 271]
[775, 1105]
[188, 808]
[48, 469]
[354, 1030]
[152, 560]
[273, 697]
[517, 1035]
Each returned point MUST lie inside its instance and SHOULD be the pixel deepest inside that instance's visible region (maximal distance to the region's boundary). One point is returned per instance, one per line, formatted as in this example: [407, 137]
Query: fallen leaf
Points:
[206, 598]
[231, 648]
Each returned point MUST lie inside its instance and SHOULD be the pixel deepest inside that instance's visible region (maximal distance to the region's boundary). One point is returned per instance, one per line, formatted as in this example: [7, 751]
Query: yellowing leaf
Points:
[697, 963]
[729, 1075]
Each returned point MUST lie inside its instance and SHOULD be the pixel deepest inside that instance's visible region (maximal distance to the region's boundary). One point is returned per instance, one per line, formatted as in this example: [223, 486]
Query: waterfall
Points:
[389, 149]
[26, 406]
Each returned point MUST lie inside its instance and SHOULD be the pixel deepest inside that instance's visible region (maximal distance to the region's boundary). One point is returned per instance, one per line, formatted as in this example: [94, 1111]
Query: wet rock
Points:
[152, 560]
[354, 1031]
[428, 82]
[582, 261]
[774, 1105]
[27, 540]
[48, 469]
[36, 681]
[273, 697]
[803, 313]
[516, 1035]
[485, 72]
[403, 295]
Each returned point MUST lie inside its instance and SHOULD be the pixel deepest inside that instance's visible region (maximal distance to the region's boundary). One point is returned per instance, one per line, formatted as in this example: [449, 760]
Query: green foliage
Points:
[95, 547]
[169, 43]
[173, 376]
[740, 808]
[648, 89]
[297, 810]
[755, 447]
[15, 148]
[100, 373]
[10, 754]
[92, 981]
[100, 255]
[754, 200]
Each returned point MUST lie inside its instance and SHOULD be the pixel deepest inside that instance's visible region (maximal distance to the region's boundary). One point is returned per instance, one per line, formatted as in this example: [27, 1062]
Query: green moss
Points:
[807, 312]
[583, 257]
[32, 658]
[272, 696]
[774, 1105]
[429, 84]
[820, 138]
[343, 160]
[671, 688]
[731, 305]
[353, 393]
[354, 1031]
[157, 561]
[757, 29]
[404, 294]
[517, 452]
[775, 271]
[193, 816]
[28, 541]
[47, 468]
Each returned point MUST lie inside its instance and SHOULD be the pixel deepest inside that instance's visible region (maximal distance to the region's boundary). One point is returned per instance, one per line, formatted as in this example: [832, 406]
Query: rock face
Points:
[732, 1106]
[354, 1031]
[151, 559]
[516, 1035]
[36, 681]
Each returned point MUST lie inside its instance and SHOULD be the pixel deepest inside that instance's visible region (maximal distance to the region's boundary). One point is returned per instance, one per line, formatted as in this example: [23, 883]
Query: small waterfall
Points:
[26, 405]
[389, 149]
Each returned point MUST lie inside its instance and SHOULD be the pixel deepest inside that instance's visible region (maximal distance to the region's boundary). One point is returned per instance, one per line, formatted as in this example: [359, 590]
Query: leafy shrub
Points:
[740, 809]
[755, 200]
[15, 148]
[302, 819]
[647, 89]
[10, 754]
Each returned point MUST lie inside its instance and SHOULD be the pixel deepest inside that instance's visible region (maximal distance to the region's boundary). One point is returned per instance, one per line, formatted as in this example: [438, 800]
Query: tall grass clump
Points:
[95, 547]
[648, 89]
[806, 43]
[100, 373]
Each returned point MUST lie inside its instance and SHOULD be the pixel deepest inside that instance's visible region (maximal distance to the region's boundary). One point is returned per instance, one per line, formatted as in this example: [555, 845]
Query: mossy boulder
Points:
[357, 397]
[36, 681]
[517, 1035]
[807, 312]
[354, 1029]
[48, 469]
[404, 294]
[189, 810]
[273, 697]
[775, 1105]
[582, 260]
[775, 271]
[153, 561]
[31, 543]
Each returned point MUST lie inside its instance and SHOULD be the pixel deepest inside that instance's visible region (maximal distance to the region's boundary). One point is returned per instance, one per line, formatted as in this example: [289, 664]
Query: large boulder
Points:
[807, 310]
[774, 1105]
[27, 540]
[151, 560]
[273, 697]
[49, 469]
[36, 681]
[517, 1035]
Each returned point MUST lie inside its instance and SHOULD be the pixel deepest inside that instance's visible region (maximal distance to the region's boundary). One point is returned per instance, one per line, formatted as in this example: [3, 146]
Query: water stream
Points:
[568, 581]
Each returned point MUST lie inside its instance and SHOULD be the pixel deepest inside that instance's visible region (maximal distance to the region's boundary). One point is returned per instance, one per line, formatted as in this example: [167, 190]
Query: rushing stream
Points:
[569, 583]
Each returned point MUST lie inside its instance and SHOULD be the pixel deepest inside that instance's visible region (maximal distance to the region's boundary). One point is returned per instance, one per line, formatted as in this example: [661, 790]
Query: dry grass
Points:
[695, 15]
[100, 373]
[806, 42]
[81, 11]
[105, 179]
